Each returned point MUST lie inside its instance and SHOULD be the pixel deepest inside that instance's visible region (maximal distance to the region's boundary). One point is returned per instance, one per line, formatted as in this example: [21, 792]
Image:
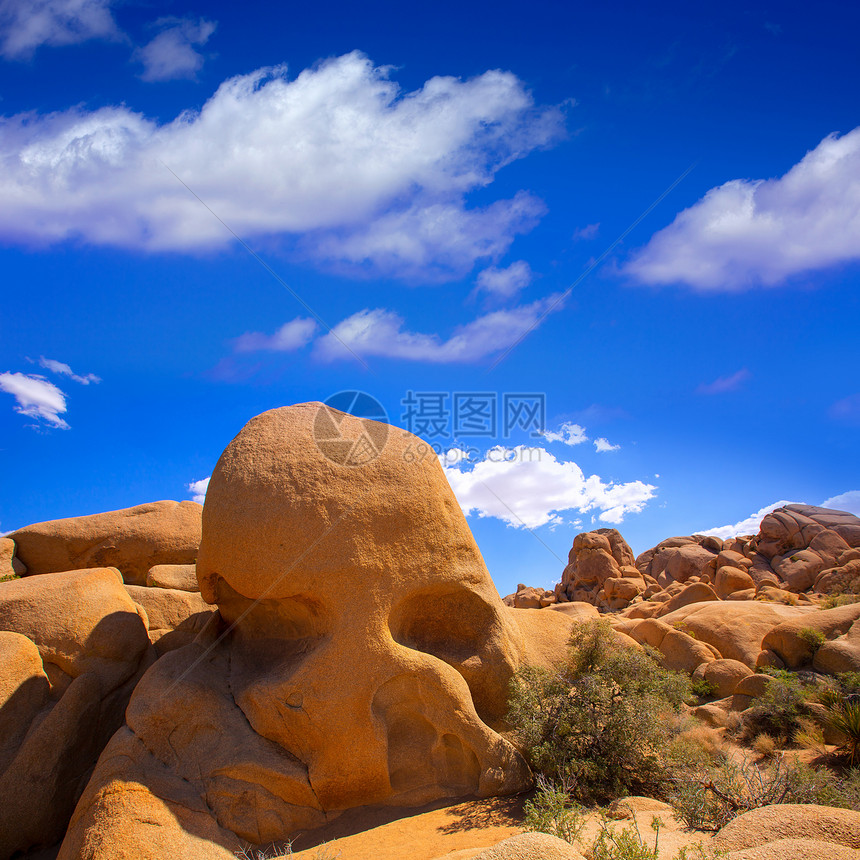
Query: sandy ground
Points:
[455, 832]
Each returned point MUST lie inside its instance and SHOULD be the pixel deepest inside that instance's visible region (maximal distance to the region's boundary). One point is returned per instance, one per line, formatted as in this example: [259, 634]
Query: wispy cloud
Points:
[62, 369]
[585, 234]
[288, 338]
[528, 487]
[36, 397]
[365, 175]
[569, 433]
[26, 25]
[760, 232]
[724, 384]
[171, 55]
[381, 332]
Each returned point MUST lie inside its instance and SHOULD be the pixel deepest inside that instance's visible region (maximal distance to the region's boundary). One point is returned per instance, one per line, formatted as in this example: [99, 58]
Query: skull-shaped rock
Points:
[368, 639]
[363, 657]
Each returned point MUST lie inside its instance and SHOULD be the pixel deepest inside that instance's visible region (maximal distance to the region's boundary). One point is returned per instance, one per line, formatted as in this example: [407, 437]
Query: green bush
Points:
[624, 844]
[845, 718]
[702, 688]
[597, 724]
[778, 712]
[813, 639]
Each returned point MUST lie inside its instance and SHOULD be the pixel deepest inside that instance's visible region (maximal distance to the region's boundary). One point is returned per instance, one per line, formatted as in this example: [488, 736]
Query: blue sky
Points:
[645, 216]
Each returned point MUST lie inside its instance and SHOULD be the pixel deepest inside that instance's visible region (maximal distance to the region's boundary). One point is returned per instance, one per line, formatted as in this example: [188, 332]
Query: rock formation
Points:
[132, 540]
[363, 656]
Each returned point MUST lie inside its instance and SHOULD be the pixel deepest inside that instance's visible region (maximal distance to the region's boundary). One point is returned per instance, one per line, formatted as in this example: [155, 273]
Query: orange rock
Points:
[730, 580]
[132, 540]
[182, 577]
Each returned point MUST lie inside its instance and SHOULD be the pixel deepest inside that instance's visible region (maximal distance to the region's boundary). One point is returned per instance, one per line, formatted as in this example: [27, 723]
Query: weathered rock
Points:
[842, 579]
[800, 821]
[841, 654]
[798, 570]
[182, 577]
[10, 564]
[736, 628]
[365, 655]
[133, 540]
[732, 579]
[679, 651]
[696, 592]
[748, 689]
[530, 846]
[174, 618]
[687, 561]
[790, 642]
[24, 690]
[92, 645]
[725, 675]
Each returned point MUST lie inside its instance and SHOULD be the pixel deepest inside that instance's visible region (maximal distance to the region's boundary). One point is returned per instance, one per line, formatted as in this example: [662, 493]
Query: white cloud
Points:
[569, 433]
[746, 232]
[37, 398]
[198, 489]
[62, 369]
[603, 445]
[528, 486]
[849, 501]
[364, 173]
[25, 25]
[748, 526]
[289, 337]
[507, 282]
[453, 457]
[171, 55]
[380, 332]
[724, 384]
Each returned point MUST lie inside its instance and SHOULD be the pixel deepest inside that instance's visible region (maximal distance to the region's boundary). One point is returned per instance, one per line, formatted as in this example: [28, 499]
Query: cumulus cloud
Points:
[171, 55]
[724, 384]
[25, 25]
[748, 526]
[363, 173]
[381, 332]
[289, 337]
[760, 232]
[62, 369]
[849, 501]
[569, 433]
[602, 445]
[506, 282]
[198, 489]
[586, 233]
[528, 487]
[36, 397]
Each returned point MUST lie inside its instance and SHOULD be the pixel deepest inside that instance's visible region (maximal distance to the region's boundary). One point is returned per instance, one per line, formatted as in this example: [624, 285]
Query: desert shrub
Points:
[779, 710]
[9, 576]
[709, 799]
[702, 688]
[849, 682]
[597, 723]
[831, 601]
[551, 811]
[694, 746]
[813, 639]
[612, 843]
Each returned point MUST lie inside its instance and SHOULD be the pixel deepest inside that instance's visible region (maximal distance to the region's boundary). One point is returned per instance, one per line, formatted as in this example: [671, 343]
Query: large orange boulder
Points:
[364, 654]
[72, 648]
[132, 540]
